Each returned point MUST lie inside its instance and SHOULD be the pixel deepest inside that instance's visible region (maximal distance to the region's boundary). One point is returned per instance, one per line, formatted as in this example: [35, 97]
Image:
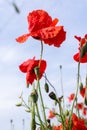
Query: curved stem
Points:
[42, 127]
[50, 83]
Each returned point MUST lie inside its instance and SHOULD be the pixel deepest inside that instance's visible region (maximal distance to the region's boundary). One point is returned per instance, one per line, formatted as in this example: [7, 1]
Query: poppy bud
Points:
[46, 87]
[52, 96]
[66, 112]
[85, 101]
[83, 50]
[27, 85]
[28, 110]
[19, 104]
[15, 7]
[81, 86]
[34, 96]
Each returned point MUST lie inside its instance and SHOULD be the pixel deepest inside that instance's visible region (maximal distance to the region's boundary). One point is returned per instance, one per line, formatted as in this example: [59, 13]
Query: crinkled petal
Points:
[58, 38]
[38, 19]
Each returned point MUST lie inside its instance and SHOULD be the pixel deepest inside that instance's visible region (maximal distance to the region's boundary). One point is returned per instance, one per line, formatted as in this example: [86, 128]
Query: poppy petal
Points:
[49, 32]
[54, 22]
[77, 58]
[22, 38]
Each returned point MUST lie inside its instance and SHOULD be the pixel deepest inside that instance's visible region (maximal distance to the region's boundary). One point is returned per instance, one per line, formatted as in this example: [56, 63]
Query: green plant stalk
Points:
[75, 94]
[42, 127]
[42, 103]
[62, 86]
[41, 53]
[61, 114]
[33, 124]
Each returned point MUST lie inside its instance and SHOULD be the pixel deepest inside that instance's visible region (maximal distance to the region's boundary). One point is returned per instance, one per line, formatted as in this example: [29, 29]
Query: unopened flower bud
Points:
[81, 86]
[27, 85]
[34, 96]
[85, 101]
[52, 96]
[28, 110]
[66, 112]
[19, 104]
[46, 87]
[60, 66]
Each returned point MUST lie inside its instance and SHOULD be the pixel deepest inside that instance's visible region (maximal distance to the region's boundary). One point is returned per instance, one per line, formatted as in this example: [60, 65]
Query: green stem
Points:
[42, 127]
[33, 125]
[62, 86]
[49, 83]
[41, 53]
[42, 103]
[75, 93]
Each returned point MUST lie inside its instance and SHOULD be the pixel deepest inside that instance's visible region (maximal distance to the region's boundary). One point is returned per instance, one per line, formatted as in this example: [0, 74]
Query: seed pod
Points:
[46, 87]
[34, 96]
[52, 95]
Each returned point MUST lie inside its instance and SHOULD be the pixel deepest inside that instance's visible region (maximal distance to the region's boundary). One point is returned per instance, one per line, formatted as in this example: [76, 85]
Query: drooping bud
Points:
[81, 86]
[52, 95]
[46, 87]
[85, 101]
[34, 96]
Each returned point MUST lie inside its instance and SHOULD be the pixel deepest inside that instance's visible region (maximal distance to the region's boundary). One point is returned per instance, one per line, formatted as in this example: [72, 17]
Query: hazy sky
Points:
[72, 15]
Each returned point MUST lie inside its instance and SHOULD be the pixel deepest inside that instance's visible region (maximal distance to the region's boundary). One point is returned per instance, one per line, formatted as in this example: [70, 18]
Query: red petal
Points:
[85, 36]
[38, 19]
[54, 22]
[49, 32]
[82, 60]
[59, 35]
[22, 38]
[78, 38]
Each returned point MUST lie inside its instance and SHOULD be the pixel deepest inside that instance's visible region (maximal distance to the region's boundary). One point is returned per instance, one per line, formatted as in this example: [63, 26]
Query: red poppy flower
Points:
[78, 59]
[82, 40]
[57, 127]
[28, 68]
[79, 106]
[78, 124]
[51, 114]
[81, 56]
[42, 27]
[71, 97]
[85, 111]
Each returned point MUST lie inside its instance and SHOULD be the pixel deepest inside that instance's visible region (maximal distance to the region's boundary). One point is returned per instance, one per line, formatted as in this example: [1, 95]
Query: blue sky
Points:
[71, 14]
